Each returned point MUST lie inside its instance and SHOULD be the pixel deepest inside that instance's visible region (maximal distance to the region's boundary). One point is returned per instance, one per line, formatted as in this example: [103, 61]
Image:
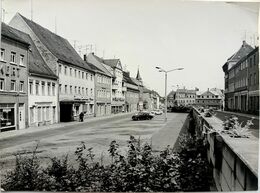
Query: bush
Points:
[140, 170]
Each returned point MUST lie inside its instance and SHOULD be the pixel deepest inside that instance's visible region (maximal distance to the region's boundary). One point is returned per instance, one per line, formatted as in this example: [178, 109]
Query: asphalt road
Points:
[65, 139]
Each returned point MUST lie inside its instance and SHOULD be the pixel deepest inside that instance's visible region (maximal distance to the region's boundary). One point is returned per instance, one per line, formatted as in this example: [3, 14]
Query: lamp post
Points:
[166, 72]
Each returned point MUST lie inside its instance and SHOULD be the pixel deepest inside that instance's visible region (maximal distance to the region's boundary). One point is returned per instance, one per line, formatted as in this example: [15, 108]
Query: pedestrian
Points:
[81, 116]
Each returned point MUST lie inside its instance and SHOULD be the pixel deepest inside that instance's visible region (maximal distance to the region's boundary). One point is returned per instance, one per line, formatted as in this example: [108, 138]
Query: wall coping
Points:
[247, 149]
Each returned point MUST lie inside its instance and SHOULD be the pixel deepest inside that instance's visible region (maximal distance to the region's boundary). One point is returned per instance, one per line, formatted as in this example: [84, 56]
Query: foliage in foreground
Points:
[139, 170]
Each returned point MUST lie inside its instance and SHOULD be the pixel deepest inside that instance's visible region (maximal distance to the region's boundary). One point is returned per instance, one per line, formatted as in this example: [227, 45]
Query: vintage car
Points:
[141, 116]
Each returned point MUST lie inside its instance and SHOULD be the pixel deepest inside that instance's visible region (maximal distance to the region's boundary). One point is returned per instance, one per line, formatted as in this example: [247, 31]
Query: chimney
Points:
[85, 57]
[208, 89]
[244, 43]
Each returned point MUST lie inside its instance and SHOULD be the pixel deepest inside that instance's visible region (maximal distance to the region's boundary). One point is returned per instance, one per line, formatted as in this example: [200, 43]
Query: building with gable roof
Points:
[209, 98]
[13, 79]
[151, 99]
[132, 93]
[103, 86]
[76, 78]
[242, 80]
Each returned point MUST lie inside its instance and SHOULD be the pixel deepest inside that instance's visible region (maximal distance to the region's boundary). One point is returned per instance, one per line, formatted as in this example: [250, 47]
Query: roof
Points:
[244, 50]
[13, 33]
[186, 91]
[136, 81]
[37, 65]
[57, 45]
[101, 62]
[111, 62]
[127, 78]
[95, 68]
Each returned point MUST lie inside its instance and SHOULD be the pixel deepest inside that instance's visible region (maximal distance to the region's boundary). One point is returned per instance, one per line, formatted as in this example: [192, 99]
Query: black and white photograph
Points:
[129, 96]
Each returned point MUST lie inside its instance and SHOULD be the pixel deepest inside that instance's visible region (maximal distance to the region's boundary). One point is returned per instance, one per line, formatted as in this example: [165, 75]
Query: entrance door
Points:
[66, 112]
[21, 116]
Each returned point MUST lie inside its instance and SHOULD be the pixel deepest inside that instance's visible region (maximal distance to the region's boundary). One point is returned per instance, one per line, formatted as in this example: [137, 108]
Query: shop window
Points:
[7, 116]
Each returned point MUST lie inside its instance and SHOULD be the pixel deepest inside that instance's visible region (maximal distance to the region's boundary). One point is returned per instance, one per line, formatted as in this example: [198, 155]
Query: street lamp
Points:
[166, 72]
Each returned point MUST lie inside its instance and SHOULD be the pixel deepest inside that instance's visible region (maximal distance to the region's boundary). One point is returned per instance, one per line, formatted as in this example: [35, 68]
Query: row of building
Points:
[242, 80]
[183, 97]
[43, 80]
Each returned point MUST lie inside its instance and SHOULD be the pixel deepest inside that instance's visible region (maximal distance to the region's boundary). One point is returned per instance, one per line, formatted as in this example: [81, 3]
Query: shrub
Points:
[140, 170]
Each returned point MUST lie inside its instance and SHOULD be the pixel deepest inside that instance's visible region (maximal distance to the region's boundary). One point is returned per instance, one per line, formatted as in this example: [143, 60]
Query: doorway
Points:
[66, 112]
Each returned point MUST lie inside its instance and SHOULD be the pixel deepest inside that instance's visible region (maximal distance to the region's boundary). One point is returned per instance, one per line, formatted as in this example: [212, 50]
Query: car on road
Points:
[142, 116]
[158, 112]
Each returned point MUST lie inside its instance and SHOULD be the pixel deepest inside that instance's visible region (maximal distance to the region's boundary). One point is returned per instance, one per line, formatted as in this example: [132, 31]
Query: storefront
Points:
[7, 117]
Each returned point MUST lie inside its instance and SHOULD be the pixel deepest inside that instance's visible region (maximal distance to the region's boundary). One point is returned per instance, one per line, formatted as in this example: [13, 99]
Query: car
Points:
[142, 116]
[158, 112]
[152, 113]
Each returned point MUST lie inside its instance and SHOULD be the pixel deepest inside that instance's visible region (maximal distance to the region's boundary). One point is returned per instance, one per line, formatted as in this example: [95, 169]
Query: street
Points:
[97, 134]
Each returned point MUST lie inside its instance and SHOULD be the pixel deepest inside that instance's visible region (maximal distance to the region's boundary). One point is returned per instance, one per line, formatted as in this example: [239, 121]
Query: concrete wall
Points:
[234, 160]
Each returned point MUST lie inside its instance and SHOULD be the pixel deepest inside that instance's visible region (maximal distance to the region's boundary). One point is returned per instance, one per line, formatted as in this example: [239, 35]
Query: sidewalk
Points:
[28, 130]
[240, 114]
[169, 134]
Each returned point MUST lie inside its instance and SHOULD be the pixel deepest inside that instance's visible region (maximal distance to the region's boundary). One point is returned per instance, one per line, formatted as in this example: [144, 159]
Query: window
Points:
[43, 88]
[2, 54]
[60, 88]
[87, 91]
[13, 71]
[53, 89]
[21, 88]
[49, 88]
[65, 70]
[87, 76]
[39, 114]
[13, 55]
[75, 73]
[22, 60]
[91, 92]
[60, 68]
[91, 77]
[75, 90]
[70, 89]
[13, 85]
[66, 89]
[31, 115]
[79, 75]
[255, 78]
[79, 90]
[2, 84]
[82, 75]
[37, 88]
[82, 91]
[70, 71]
[31, 87]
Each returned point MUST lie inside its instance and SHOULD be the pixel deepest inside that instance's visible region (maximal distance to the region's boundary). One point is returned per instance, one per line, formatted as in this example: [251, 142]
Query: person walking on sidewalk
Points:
[81, 116]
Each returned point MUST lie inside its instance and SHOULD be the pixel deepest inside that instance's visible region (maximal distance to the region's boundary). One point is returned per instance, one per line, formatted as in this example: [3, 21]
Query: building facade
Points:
[208, 99]
[185, 96]
[242, 80]
[132, 93]
[13, 79]
[151, 99]
[76, 79]
[102, 99]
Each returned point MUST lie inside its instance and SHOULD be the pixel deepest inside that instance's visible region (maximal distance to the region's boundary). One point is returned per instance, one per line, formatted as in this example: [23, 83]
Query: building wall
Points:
[132, 99]
[13, 102]
[184, 98]
[42, 105]
[103, 94]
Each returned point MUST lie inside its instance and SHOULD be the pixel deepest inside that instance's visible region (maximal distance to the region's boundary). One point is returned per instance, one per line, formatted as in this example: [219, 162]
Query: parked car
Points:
[152, 113]
[158, 112]
[142, 116]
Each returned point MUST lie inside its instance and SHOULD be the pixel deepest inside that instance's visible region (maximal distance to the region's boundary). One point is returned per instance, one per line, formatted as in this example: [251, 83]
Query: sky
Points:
[196, 36]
